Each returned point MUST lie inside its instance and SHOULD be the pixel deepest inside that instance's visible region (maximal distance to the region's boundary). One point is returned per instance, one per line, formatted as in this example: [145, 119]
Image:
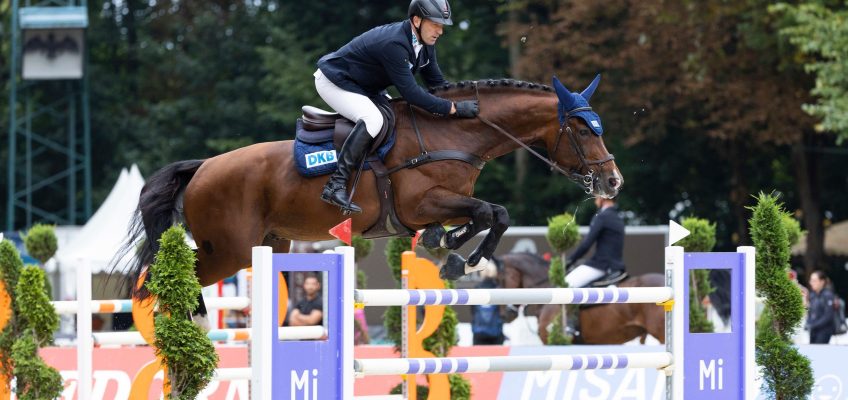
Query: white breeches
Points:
[583, 275]
[352, 106]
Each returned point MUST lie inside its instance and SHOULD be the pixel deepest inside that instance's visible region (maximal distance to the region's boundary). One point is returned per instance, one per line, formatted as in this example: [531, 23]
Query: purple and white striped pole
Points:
[400, 297]
[456, 365]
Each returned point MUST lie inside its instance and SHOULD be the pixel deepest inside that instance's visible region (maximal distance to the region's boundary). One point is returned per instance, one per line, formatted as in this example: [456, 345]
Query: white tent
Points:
[104, 233]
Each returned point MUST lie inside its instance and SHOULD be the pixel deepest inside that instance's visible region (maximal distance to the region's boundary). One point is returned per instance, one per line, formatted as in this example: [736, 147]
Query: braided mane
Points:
[489, 83]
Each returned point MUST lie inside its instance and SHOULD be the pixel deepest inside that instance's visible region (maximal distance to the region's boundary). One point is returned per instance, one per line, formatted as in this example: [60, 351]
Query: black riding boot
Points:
[353, 151]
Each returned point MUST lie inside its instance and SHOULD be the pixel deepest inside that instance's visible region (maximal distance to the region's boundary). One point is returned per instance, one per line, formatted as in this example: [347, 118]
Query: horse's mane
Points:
[449, 88]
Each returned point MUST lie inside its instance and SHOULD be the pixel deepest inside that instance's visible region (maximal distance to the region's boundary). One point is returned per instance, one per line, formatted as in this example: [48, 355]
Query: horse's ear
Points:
[565, 97]
[590, 90]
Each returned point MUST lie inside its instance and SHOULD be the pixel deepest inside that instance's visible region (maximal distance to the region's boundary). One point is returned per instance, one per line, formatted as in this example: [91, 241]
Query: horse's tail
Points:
[158, 209]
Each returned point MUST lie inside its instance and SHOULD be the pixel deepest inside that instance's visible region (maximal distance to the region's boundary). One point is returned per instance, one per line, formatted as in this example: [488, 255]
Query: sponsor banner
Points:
[117, 368]
[631, 384]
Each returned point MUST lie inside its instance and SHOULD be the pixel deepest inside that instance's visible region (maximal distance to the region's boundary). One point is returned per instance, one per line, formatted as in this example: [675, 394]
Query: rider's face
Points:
[430, 31]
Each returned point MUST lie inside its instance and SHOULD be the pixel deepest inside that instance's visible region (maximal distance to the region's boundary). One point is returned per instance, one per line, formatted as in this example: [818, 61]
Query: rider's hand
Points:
[466, 109]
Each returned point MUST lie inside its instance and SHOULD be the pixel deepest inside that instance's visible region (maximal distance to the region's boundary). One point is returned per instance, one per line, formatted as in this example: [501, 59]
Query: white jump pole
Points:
[85, 341]
[262, 323]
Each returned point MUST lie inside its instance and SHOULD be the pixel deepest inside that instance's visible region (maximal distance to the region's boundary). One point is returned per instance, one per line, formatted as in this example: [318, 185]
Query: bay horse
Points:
[255, 196]
[599, 324]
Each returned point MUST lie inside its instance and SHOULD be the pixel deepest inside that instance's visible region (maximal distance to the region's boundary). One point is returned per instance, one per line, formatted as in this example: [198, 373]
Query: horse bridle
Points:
[588, 180]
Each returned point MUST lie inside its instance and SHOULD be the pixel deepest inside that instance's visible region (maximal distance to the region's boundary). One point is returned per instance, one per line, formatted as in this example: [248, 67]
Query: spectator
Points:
[308, 311]
[486, 322]
[820, 313]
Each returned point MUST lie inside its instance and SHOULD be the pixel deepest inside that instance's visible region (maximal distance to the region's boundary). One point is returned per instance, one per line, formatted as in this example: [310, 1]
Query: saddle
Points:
[321, 126]
[321, 122]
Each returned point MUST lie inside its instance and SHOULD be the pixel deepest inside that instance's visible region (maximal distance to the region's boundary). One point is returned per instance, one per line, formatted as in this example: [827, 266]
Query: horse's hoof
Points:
[454, 267]
[474, 259]
[432, 237]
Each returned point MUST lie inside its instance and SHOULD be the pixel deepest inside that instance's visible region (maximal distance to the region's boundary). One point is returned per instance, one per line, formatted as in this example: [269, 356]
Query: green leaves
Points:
[35, 379]
[821, 35]
[562, 232]
[394, 249]
[173, 280]
[184, 348]
[702, 235]
[188, 354]
[786, 373]
[31, 326]
[41, 242]
[33, 308]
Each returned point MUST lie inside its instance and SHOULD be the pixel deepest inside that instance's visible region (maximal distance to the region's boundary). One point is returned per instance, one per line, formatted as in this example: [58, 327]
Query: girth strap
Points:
[431, 156]
[439, 155]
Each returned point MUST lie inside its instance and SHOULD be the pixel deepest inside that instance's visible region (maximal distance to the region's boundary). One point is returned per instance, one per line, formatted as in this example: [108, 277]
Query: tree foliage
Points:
[820, 31]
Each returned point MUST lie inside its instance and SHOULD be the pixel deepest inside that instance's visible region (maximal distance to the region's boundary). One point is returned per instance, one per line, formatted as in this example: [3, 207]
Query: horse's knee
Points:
[483, 216]
[501, 218]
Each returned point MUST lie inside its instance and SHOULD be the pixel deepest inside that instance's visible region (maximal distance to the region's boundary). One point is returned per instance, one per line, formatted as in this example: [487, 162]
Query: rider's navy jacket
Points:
[607, 230]
[382, 57]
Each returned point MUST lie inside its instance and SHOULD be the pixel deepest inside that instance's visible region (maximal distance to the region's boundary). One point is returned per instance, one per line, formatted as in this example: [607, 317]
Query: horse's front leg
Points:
[486, 248]
[455, 266]
[441, 205]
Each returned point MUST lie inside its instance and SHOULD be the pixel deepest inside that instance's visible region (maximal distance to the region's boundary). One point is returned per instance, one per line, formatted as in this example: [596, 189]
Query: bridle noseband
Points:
[587, 180]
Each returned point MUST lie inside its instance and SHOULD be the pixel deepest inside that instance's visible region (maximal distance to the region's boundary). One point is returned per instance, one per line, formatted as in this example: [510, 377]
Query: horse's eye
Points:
[583, 131]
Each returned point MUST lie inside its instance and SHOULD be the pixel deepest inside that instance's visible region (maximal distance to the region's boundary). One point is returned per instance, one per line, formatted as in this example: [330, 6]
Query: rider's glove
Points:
[467, 109]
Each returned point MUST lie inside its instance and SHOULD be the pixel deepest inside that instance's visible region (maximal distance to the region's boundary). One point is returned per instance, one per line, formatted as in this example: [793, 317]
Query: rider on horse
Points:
[352, 78]
[607, 230]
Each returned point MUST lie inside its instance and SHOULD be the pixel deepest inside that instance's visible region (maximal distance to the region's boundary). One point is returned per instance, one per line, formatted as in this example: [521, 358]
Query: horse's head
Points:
[577, 144]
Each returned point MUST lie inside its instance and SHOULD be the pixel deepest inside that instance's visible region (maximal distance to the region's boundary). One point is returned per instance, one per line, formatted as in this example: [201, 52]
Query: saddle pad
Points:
[313, 158]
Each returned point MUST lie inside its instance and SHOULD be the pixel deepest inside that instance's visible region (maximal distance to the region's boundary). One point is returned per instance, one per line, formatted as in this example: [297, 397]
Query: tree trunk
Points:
[806, 179]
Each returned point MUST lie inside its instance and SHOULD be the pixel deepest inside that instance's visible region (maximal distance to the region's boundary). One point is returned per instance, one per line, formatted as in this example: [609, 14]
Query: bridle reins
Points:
[588, 179]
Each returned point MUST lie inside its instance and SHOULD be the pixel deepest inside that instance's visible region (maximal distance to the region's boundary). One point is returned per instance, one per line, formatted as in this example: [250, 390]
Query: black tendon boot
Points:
[353, 151]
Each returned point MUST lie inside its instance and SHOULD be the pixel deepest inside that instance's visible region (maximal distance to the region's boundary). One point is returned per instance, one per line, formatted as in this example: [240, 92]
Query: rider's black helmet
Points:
[438, 11]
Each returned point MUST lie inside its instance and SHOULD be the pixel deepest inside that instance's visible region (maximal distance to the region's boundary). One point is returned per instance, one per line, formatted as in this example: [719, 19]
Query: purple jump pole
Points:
[715, 365]
[307, 369]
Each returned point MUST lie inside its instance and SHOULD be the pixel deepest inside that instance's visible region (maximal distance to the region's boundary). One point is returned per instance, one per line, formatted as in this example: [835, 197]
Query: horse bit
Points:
[589, 179]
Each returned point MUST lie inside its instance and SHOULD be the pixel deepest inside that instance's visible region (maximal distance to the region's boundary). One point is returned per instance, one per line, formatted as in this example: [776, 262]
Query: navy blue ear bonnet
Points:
[569, 101]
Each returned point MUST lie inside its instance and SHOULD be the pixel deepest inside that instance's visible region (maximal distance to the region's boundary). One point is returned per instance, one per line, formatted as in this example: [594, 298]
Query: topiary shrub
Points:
[40, 242]
[702, 235]
[562, 232]
[786, 373]
[394, 249]
[556, 273]
[440, 342]
[562, 235]
[184, 348]
[36, 321]
[557, 336]
[362, 247]
[10, 271]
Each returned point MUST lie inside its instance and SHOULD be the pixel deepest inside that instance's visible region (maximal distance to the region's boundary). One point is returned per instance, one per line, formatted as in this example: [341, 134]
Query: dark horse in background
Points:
[599, 324]
[254, 195]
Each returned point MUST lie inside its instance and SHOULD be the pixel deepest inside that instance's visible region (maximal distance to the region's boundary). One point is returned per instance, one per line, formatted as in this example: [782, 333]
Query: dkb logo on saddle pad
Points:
[320, 158]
